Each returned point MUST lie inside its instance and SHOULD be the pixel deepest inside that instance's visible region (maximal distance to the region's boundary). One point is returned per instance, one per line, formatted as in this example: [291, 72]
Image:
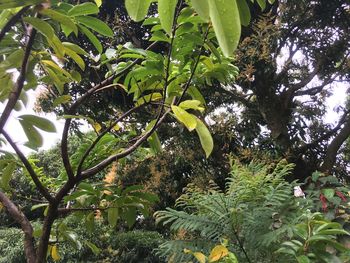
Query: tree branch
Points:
[17, 89]
[334, 147]
[87, 152]
[29, 168]
[27, 228]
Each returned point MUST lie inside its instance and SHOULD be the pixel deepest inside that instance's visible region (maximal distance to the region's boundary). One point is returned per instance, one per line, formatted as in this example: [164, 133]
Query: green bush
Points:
[11, 246]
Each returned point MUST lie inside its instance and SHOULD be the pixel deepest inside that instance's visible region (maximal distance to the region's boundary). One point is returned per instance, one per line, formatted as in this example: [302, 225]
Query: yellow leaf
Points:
[218, 253]
[54, 253]
[97, 126]
[199, 256]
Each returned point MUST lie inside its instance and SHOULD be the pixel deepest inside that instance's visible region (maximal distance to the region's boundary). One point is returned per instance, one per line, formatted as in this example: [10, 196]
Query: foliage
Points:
[255, 213]
[11, 245]
[316, 240]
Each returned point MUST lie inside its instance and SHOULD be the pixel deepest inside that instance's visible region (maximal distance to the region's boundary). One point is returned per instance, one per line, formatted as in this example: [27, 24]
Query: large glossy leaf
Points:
[224, 15]
[96, 25]
[63, 19]
[5, 4]
[204, 137]
[184, 117]
[93, 39]
[76, 58]
[166, 11]
[40, 25]
[202, 8]
[39, 122]
[137, 9]
[244, 12]
[83, 9]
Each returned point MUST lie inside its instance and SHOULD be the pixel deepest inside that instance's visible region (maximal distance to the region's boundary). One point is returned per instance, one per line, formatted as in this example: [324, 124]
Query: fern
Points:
[255, 214]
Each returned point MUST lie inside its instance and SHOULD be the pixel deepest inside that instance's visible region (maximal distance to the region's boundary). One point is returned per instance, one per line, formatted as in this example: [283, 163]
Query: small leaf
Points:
[83, 9]
[200, 257]
[137, 9]
[54, 253]
[202, 8]
[191, 104]
[328, 193]
[96, 25]
[112, 216]
[166, 11]
[7, 175]
[218, 253]
[93, 247]
[62, 100]
[186, 118]
[262, 4]
[303, 259]
[204, 137]
[224, 15]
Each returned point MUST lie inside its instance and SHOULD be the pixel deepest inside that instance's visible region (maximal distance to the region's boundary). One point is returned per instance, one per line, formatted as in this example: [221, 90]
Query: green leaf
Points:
[262, 4]
[166, 11]
[202, 8]
[57, 68]
[204, 137]
[96, 25]
[40, 25]
[137, 9]
[90, 222]
[186, 118]
[98, 2]
[328, 193]
[92, 246]
[93, 39]
[303, 259]
[191, 104]
[333, 232]
[112, 216]
[6, 4]
[35, 140]
[39, 122]
[62, 100]
[34, 207]
[83, 9]
[75, 48]
[154, 143]
[130, 216]
[63, 19]
[76, 58]
[224, 15]
[244, 12]
[7, 174]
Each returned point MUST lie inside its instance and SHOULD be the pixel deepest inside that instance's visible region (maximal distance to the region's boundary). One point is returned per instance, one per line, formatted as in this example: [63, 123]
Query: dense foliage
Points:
[251, 78]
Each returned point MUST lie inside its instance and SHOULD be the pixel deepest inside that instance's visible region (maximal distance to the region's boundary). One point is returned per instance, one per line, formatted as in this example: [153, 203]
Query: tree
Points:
[162, 84]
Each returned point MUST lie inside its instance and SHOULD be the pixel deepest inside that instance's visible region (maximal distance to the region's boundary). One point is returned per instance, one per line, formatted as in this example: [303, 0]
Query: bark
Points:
[334, 147]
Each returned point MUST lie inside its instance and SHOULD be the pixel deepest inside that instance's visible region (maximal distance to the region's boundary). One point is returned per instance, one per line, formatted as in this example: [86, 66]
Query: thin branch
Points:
[92, 146]
[99, 167]
[27, 228]
[29, 168]
[12, 22]
[17, 89]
